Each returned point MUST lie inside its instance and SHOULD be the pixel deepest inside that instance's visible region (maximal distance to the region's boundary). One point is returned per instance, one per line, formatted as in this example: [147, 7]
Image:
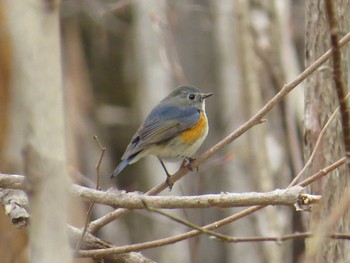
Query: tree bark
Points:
[320, 102]
[38, 110]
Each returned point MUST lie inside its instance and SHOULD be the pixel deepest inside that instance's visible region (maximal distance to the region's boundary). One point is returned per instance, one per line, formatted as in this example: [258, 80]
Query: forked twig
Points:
[103, 150]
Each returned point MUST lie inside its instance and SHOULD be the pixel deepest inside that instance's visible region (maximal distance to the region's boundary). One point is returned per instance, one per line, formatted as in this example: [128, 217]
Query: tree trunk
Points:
[320, 102]
[38, 123]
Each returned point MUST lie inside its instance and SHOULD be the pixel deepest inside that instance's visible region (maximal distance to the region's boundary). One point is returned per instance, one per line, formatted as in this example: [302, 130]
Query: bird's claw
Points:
[169, 182]
[188, 162]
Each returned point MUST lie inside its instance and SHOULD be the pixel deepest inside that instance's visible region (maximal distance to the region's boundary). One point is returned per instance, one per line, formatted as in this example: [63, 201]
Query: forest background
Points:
[72, 70]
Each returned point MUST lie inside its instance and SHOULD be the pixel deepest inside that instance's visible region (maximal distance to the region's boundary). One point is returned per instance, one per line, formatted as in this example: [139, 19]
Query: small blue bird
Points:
[174, 129]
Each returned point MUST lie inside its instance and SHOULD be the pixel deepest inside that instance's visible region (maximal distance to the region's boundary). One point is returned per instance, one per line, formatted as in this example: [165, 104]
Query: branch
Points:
[133, 200]
[99, 223]
[97, 251]
[280, 239]
[225, 238]
[15, 181]
[92, 242]
[187, 223]
[192, 233]
[103, 150]
[317, 144]
[323, 172]
[15, 203]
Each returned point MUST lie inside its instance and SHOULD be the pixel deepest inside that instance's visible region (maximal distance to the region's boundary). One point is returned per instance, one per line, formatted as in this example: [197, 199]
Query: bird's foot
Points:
[188, 162]
[169, 182]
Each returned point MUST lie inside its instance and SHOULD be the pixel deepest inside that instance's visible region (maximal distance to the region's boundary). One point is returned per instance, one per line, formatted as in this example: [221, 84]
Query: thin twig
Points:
[336, 213]
[313, 154]
[230, 239]
[103, 150]
[186, 223]
[323, 172]
[226, 238]
[318, 142]
[280, 239]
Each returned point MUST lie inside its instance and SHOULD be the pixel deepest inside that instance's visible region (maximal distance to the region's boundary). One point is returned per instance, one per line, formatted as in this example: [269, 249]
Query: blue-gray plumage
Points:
[162, 132]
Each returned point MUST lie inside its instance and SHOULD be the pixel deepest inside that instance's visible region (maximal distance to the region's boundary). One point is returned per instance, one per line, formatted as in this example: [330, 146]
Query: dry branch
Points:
[103, 150]
[225, 238]
[15, 203]
[289, 197]
[135, 200]
[211, 226]
[110, 251]
[92, 242]
[280, 239]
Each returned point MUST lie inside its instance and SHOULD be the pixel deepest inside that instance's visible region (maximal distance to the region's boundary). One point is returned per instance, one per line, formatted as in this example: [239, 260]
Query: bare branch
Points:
[214, 225]
[15, 203]
[92, 242]
[103, 150]
[325, 226]
[135, 201]
[323, 172]
[313, 154]
[229, 239]
[187, 223]
[280, 239]
[19, 200]
[17, 179]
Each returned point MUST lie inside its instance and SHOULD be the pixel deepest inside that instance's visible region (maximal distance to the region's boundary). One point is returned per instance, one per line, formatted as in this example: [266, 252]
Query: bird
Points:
[174, 129]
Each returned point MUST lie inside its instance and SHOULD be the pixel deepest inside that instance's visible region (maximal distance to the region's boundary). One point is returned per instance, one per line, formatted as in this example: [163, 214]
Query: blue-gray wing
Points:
[163, 123]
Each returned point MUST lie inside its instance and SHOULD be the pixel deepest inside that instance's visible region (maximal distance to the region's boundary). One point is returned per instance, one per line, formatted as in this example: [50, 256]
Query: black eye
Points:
[191, 96]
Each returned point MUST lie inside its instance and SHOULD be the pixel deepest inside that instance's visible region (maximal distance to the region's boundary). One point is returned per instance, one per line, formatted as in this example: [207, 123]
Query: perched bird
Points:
[174, 129]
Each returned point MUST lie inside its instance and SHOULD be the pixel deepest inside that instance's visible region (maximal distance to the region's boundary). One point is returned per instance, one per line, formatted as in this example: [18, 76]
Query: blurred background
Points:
[120, 58]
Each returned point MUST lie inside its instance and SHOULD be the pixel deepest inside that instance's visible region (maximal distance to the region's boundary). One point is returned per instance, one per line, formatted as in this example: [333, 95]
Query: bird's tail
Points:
[121, 166]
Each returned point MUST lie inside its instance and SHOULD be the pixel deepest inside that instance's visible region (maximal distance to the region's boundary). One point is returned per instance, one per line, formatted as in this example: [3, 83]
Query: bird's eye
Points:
[191, 96]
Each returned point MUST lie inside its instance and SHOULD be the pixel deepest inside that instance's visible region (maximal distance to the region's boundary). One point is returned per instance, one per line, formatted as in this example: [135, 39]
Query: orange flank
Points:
[197, 131]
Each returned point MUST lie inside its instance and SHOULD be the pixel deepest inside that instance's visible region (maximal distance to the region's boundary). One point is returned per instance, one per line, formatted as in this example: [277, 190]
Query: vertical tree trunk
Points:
[261, 61]
[229, 94]
[12, 241]
[192, 31]
[260, 173]
[320, 102]
[38, 98]
[153, 80]
[153, 83]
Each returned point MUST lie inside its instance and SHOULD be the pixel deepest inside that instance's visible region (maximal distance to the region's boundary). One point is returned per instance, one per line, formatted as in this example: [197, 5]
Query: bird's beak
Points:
[206, 95]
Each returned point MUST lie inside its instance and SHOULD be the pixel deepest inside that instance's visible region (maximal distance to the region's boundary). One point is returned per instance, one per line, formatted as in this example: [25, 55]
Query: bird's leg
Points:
[188, 162]
[168, 176]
